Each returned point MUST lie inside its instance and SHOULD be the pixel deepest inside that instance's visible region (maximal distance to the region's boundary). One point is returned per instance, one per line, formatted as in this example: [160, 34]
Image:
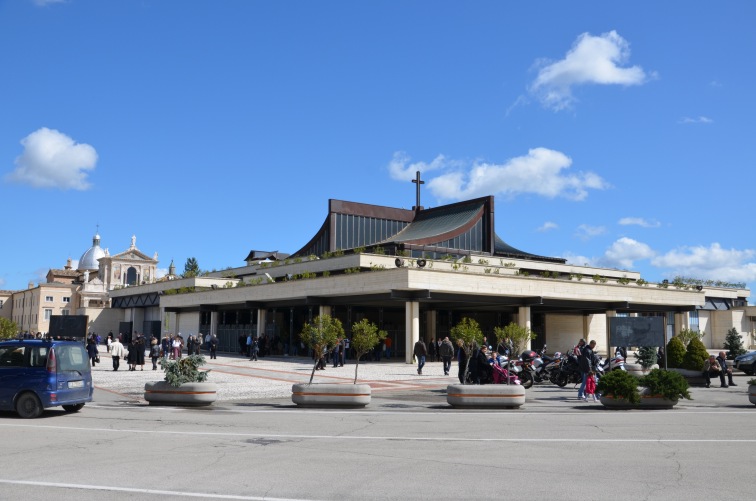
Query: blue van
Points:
[38, 374]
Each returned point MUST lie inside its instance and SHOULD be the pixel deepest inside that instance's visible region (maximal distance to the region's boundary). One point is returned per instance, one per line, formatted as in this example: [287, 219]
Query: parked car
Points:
[746, 363]
[36, 375]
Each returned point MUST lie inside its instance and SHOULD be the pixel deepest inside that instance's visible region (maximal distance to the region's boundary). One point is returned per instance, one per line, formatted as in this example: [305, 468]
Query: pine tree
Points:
[695, 355]
[733, 344]
[675, 352]
[646, 356]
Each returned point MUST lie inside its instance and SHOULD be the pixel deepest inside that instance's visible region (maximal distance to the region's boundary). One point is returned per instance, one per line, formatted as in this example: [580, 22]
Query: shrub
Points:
[695, 355]
[184, 370]
[619, 385]
[686, 335]
[675, 352]
[734, 344]
[517, 335]
[667, 384]
[365, 336]
[321, 335]
[646, 356]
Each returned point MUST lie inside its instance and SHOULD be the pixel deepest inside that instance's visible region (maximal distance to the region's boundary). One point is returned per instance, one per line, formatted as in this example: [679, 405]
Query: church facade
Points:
[416, 274]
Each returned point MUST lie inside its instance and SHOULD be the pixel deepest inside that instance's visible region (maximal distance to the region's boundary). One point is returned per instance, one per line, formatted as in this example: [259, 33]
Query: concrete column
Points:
[609, 315]
[681, 321]
[430, 318]
[411, 328]
[213, 323]
[261, 314]
[523, 320]
[324, 310]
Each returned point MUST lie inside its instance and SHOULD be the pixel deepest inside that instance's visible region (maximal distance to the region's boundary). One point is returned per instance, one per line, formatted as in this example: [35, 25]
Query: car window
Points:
[38, 356]
[11, 356]
[72, 358]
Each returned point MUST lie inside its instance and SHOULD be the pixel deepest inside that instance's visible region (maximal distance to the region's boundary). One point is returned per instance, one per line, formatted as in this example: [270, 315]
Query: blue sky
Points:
[612, 134]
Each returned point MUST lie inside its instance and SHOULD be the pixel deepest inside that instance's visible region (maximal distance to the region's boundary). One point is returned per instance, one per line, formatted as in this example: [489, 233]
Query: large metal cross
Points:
[418, 182]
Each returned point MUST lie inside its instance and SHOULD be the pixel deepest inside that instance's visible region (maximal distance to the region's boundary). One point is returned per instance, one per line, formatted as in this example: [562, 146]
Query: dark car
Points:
[746, 363]
[37, 374]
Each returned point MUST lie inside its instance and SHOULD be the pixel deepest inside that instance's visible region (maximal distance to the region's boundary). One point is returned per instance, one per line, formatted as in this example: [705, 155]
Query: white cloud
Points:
[696, 120]
[401, 169]
[639, 221]
[586, 232]
[51, 159]
[161, 272]
[624, 252]
[578, 260]
[710, 263]
[548, 225]
[591, 60]
[540, 172]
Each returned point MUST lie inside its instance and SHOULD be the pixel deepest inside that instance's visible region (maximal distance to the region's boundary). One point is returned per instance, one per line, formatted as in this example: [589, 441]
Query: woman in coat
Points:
[92, 351]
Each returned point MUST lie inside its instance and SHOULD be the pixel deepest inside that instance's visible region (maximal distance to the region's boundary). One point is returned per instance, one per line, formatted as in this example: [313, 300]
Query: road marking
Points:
[205, 495]
[370, 437]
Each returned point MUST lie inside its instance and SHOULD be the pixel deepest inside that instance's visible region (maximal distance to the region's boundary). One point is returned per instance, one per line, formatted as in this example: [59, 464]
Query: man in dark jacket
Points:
[420, 351]
[722, 359]
[586, 362]
[446, 351]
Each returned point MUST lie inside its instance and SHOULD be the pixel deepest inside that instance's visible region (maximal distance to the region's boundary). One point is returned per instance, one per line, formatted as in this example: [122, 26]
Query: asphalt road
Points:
[405, 445]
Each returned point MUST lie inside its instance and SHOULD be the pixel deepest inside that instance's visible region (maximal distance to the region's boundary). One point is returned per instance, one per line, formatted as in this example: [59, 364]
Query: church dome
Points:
[88, 260]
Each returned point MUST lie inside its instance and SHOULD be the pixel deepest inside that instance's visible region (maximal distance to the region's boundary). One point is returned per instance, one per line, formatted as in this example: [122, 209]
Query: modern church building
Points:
[416, 273]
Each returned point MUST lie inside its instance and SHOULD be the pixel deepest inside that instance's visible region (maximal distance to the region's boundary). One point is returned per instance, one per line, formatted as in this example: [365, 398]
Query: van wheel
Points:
[73, 408]
[28, 406]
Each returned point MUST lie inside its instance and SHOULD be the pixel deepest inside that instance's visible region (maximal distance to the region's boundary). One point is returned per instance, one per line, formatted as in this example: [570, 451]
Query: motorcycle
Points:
[569, 372]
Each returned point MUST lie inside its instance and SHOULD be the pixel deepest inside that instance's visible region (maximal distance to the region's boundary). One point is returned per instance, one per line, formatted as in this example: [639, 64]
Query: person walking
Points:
[446, 351]
[587, 365]
[116, 352]
[254, 348]
[139, 345]
[154, 352]
[213, 344]
[165, 346]
[432, 350]
[420, 352]
[387, 344]
[176, 347]
[92, 351]
[131, 356]
[461, 360]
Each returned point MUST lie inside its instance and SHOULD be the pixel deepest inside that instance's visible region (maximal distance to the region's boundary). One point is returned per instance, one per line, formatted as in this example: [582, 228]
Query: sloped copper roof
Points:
[441, 221]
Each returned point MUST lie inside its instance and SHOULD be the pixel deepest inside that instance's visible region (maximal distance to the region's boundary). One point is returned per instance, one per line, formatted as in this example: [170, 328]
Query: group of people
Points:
[716, 366]
[441, 349]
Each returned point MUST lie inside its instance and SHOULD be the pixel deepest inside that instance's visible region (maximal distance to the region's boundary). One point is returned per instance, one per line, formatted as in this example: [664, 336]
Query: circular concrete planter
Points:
[752, 393]
[330, 395]
[504, 396]
[693, 377]
[648, 402]
[188, 394]
[638, 371]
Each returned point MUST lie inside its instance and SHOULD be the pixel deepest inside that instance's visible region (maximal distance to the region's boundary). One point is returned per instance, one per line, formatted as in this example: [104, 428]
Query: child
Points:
[590, 386]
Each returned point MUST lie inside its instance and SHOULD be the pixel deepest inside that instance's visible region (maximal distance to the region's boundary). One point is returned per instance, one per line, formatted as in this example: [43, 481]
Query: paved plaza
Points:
[240, 380]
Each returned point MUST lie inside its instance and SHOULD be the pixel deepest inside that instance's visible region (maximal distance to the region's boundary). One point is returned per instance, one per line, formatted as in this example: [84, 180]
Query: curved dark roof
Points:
[444, 220]
[501, 248]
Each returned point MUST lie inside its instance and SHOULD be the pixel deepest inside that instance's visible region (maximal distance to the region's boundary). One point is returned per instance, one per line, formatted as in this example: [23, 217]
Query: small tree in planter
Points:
[645, 356]
[695, 355]
[675, 352]
[733, 344]
[468, 330]
[365, 336]
[184, 384]
[666, 384]
[517, 334]
[686, 335]
[321, 336]
[184, 370]
[619, 385]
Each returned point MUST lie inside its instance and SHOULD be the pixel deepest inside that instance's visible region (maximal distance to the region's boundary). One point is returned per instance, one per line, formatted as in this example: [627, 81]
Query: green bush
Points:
[667, 384]
[646, 356]
[619, 385]
[675, 352]
[734, 344]
[695, 355]
[184, 370]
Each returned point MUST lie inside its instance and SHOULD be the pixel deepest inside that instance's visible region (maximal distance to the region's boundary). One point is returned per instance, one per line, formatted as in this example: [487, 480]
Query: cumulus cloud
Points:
[695, 120]
[586, 231]
[639, 221]
[548, 225]
[51, 159]
[711, 263]
[402, 169]
[591, 60]
[541, 172]
[624, 252]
